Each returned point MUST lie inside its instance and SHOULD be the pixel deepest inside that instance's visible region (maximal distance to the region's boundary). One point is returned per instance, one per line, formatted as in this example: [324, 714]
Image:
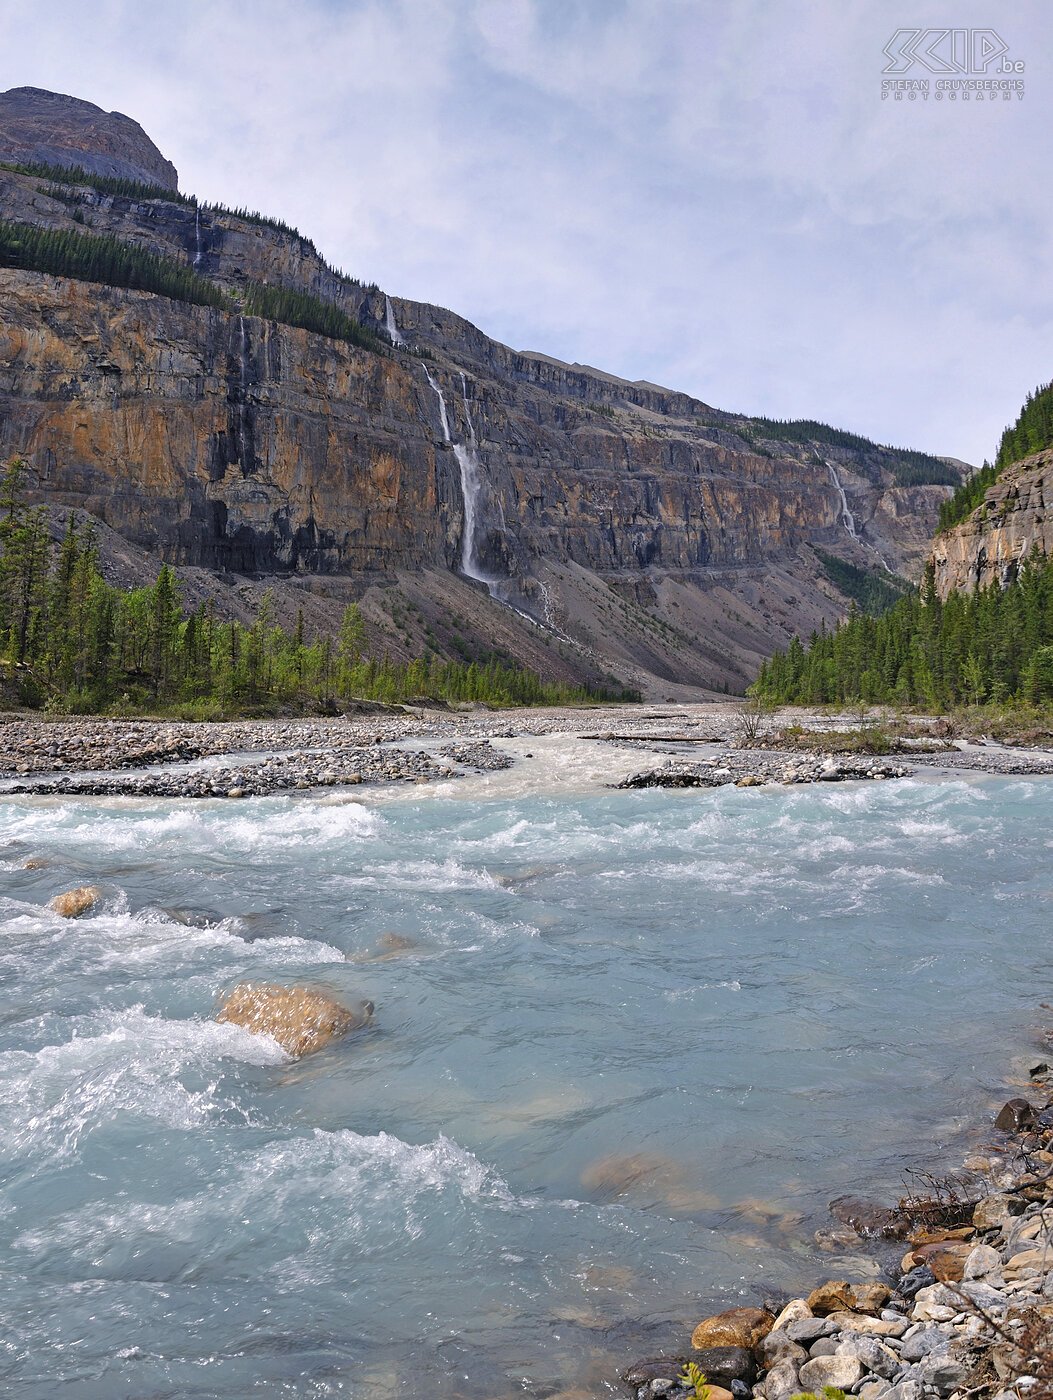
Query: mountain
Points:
[48, 127]
[458, 487]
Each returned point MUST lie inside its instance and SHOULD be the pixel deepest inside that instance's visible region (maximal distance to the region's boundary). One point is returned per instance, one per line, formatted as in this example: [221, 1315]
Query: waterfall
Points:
[467, 410]
[243, 407]
[847, 518]
[442, 403]
[471, 488]
[392, 329]
[197, 237]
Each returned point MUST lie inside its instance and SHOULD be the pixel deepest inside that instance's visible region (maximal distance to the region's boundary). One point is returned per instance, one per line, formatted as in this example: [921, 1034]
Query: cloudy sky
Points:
[710, 194]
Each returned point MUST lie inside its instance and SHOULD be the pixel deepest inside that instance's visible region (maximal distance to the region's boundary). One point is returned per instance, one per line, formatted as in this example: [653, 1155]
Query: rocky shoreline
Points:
[968, 1310]
[700, 746]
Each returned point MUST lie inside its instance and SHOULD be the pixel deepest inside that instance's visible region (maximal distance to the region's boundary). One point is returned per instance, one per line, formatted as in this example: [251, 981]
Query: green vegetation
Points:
[105, 184]
[1032, 432]
[91, 257]
[908, 469]
[992, 645]
[74, 643]
[310, 313]
[967, 497]
[873, 593]
[695, 1377]
[73, 178]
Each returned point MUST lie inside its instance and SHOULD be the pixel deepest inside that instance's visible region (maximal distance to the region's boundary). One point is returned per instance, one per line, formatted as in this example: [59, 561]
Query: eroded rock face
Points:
[301, 1019]
[992, 544]
[71, 904]
[637, 518]
[36, 125]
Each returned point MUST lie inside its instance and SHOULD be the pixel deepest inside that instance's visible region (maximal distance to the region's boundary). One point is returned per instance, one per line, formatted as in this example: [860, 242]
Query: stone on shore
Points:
[841, 1371]
[736, 1327]
[838, 1296]
[73, 903]
[722, 1365]
[301, 1019]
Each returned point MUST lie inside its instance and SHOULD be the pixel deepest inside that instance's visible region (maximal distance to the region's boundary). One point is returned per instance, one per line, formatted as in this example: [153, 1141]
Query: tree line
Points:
[991, 645]
[102, 258]
[90, 257]
[908, 468]
[1032, 432]
[71, 641]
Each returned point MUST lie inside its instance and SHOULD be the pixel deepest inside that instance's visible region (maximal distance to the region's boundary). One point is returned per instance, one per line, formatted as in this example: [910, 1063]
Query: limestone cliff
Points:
[647, 532]
[52, 128]
[993, 542]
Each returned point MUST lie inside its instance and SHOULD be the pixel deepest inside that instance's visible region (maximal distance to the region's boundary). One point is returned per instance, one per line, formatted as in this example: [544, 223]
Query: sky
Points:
[709, 194]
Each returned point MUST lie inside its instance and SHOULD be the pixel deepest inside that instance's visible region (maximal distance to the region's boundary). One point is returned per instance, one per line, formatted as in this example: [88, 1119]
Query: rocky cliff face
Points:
[990, 546]
[36, 125]
[645, 530]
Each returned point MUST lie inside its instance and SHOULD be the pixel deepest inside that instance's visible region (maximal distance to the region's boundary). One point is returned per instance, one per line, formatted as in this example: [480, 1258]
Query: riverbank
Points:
[968, 1310]
[697, 745]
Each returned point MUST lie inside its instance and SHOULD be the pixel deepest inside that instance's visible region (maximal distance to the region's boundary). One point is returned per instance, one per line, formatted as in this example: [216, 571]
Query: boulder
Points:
[867, 1218]
[981, 1261]
[1015, 1116]
[870, 1326]
[737, 1327]
[795, 1311]
[72, 903]
[301, 1019]
[782, 1381]
[837, 1296]
[654, 1368]
[946, 1259]
[778, 1346]
[841, 1371]
[833, 1296]
[722, 1365]
[875, 1356]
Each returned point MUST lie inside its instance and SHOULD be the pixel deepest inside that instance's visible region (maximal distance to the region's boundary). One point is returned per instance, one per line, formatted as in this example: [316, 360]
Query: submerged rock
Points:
[72, 903]
[301, 1019]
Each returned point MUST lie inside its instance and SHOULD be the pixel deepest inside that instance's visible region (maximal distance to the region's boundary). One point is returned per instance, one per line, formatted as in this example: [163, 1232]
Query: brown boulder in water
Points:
[72, 903]
[300, 1019]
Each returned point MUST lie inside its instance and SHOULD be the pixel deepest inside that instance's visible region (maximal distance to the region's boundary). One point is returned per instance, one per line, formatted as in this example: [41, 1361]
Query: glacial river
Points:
[634, 1043]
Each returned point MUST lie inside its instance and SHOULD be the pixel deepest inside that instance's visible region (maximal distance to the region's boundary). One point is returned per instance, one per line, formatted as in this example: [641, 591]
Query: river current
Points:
[627, 1046]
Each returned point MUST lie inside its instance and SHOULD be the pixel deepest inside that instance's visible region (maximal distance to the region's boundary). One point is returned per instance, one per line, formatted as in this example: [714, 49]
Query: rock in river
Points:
[72, 903]
[300, 1019]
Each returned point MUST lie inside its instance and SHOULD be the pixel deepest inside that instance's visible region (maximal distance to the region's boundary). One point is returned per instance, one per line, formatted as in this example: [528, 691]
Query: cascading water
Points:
[471, 487]
[199, 252]
[847, 518]
[390, 324]
[243, 363]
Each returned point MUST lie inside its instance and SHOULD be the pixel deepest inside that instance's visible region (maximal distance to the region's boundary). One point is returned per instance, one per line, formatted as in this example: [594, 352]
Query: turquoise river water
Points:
[638, 1042]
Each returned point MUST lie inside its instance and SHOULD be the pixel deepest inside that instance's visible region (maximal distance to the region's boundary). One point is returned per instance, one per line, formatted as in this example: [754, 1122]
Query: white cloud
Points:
[708, 195]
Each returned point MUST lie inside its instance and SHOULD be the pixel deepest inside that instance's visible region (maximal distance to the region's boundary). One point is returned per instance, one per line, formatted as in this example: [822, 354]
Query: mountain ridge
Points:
[650, 532]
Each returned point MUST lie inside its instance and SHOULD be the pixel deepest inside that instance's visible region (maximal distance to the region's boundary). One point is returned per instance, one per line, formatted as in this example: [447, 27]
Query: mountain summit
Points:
[51, 127]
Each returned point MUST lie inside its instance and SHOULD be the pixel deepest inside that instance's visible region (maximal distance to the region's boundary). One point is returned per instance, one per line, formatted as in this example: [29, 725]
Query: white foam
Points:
[130, 1066]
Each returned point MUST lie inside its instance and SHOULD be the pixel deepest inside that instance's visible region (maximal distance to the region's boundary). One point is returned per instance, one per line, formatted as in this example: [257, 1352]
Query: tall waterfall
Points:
[391, 327]
[847, 518]
[243, 408]
[197, 237]
[471, 487]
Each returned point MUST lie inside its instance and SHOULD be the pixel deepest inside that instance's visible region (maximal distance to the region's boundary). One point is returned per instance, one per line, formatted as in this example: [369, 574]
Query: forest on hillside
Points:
[992, 645]
[1032, 432]
[73, 642]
